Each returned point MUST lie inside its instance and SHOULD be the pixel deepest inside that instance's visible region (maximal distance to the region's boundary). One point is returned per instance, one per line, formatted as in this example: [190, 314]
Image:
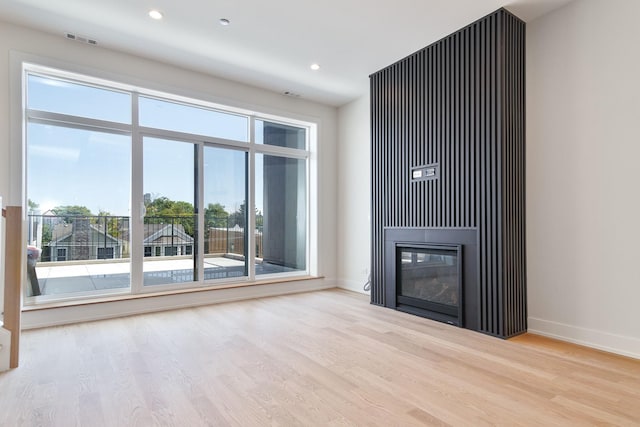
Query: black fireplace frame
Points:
[466, 240]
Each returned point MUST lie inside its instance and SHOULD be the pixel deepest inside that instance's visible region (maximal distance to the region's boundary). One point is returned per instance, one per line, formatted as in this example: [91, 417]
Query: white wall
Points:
[2, 231]
[583, 174]
[354, 195]
[154, 75]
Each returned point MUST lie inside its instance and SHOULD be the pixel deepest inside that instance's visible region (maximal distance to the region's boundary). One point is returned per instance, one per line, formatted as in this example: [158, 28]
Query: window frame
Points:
[137, 133]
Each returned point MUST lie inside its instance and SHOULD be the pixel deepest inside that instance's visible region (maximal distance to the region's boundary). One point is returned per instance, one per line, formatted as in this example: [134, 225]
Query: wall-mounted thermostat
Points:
[425, 172]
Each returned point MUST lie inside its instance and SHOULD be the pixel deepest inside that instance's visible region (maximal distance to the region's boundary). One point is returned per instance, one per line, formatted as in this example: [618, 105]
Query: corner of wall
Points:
[352, 285]
[354, 201]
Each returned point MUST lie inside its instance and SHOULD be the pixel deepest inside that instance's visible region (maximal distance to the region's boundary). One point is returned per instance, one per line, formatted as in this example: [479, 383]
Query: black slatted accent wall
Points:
[458, 103]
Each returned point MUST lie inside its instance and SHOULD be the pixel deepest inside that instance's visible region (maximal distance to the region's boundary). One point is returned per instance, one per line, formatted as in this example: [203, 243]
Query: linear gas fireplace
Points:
[433, 273]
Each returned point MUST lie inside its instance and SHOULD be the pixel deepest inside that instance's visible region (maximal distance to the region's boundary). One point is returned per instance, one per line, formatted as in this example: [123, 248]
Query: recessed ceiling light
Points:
[315, 67]
[155, 14]
[224, 21]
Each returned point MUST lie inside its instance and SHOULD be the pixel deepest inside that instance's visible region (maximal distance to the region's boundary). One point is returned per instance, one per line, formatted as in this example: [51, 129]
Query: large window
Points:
[131, 192]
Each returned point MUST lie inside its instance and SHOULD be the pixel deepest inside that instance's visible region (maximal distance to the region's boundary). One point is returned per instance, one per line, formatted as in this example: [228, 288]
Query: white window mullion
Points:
[201, 210]
[312, 201]
[137, 202]
[45, 117]
[251, 204]
[272, 150]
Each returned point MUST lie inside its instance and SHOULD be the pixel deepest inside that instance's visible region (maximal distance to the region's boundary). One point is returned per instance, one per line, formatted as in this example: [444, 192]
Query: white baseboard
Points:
[351, 285]
[85, 313]
[619, 344]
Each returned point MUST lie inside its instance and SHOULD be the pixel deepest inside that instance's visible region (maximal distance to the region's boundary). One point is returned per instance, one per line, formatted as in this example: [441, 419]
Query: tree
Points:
[215, 216]
[259, 219]
[67, 213]
[163, 210]
[156, 206]
[32, 205]
[239, 217]
[105, 218]
[47, 234]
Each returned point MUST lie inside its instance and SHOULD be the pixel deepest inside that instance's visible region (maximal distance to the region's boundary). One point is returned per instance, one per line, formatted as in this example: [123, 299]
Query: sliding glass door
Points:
[170, 226]
[226, 240]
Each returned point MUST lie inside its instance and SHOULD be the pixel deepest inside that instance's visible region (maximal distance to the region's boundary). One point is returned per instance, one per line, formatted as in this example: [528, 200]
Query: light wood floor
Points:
[321, 358]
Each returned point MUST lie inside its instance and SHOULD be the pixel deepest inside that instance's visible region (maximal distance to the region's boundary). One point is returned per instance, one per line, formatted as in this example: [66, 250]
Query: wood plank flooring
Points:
[324, 358]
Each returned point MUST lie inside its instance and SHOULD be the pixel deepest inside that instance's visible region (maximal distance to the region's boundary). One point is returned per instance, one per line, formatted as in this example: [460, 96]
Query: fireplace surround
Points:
[433, 273]
[448, 157]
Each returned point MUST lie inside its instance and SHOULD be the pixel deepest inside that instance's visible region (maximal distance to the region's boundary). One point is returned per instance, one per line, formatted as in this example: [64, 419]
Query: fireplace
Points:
[448, 153]
[428, 277]
[433, 273]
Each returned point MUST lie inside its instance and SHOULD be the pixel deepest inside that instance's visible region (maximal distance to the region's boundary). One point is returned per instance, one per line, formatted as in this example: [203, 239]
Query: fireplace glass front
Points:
[429, 280]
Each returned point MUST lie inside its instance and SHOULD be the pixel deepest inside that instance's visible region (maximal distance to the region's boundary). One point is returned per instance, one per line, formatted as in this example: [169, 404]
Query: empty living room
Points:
[404, 213]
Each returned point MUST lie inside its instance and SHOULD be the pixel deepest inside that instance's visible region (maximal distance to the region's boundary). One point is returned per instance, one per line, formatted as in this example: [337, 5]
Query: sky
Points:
[67, 166]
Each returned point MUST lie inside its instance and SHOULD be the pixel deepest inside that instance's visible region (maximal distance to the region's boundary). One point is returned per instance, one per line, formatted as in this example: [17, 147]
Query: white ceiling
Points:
[270, 44]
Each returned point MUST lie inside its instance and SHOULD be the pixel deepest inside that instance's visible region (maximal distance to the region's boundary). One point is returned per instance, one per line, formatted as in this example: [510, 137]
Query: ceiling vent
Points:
[81, 39]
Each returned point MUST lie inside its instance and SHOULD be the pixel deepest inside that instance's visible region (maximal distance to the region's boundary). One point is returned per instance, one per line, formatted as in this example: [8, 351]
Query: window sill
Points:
[127, 297]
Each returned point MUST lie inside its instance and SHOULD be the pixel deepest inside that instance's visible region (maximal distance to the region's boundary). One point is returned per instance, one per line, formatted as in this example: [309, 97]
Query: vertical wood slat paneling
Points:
[514, 274]
[458, 103]
[482, 184]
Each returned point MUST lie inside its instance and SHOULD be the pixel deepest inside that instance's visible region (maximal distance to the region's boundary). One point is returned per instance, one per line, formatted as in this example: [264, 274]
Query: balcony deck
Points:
[75, 277]
[68, 278]
[74, 248]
